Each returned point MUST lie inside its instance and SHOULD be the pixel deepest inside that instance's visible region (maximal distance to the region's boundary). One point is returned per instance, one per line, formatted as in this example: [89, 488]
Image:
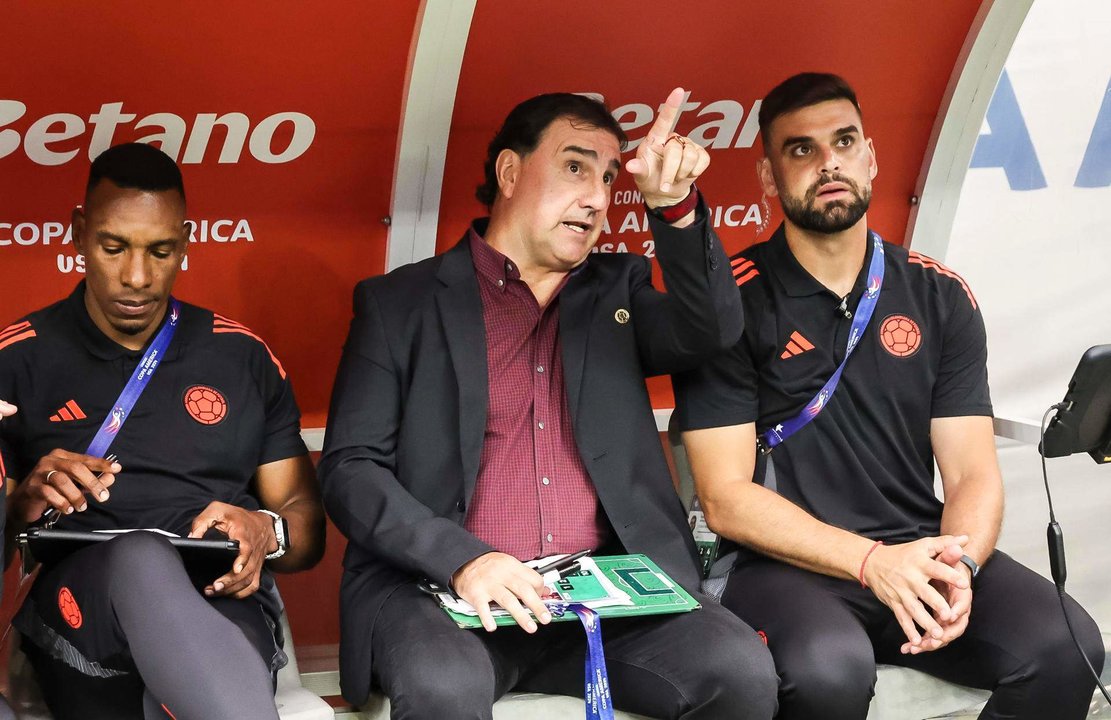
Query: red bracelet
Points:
[864, 562]
[673, 213]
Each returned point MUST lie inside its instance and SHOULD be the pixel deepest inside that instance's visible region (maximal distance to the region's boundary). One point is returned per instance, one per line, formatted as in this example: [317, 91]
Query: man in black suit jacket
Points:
[423, 410]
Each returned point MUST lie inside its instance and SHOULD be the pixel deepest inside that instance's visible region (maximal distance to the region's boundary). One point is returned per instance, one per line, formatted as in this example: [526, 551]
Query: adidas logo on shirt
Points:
[68, 412]
[797, 345]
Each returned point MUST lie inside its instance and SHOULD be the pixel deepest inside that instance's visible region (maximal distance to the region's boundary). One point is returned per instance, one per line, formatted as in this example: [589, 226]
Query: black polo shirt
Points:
[865, 463]
[218, 407]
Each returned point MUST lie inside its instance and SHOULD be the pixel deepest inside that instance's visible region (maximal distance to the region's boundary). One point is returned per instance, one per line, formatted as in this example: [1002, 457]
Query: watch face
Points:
[283, 541]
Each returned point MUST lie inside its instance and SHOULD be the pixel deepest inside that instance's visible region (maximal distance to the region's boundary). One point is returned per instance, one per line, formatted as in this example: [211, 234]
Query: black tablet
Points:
[205, 559]
[1084, 424]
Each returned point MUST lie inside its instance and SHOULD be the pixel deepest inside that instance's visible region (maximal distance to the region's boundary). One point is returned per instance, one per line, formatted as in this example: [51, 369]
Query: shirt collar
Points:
[796, 280]
[104, 347]
[492, 266]
[495, 267]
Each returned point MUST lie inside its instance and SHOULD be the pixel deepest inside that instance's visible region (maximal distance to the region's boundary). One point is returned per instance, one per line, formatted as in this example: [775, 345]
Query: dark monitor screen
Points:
[1084, 424]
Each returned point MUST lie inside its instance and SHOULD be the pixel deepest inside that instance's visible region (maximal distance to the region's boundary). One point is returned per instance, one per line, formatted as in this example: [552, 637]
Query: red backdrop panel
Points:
[305, 218]
[898, 56]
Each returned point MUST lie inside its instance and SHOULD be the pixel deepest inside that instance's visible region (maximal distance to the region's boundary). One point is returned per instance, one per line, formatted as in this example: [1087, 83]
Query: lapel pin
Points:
[621, 316]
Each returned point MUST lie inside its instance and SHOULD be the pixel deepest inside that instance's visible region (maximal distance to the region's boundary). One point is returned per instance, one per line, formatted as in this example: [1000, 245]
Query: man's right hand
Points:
[664, 171]
[900, 577]
[505, 580]
[60, 481]
[6, 409]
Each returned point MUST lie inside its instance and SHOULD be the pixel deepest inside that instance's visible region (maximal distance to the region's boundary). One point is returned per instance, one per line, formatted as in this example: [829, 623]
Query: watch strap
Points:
[971, 565]
[280, 533]
[673, 213]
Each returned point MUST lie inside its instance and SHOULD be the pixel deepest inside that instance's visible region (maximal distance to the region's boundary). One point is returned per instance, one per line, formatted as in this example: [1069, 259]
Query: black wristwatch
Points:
[971, 564]
[281, 532]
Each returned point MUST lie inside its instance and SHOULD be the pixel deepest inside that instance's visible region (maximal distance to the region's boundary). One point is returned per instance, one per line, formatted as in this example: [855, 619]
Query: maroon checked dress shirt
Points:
[533, 496]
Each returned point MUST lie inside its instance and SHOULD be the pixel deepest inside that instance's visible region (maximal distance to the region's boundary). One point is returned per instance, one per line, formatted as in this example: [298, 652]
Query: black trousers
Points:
[117, 631]
[827, 635]
[703, 664]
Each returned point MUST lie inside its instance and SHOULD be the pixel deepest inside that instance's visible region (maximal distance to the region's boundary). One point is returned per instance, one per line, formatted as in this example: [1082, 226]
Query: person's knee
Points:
[826, 678]
[135, 558]
[1057, 659]
[445, 686]
[739, 676]
[1091, 640]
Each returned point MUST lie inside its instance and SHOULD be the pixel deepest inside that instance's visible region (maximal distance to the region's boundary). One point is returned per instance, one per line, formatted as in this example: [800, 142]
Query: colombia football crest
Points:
[67, 605]
[205, 404]
[900, 335]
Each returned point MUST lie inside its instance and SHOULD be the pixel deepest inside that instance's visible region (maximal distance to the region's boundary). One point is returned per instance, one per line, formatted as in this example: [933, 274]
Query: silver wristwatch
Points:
[281, 532]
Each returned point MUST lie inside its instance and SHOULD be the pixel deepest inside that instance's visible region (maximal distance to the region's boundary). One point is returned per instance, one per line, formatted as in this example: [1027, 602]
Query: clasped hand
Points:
[926, 586]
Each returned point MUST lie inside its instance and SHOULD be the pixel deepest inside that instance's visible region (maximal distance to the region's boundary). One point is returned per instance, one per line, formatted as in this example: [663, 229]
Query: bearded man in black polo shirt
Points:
[856, 561]
[117, 629]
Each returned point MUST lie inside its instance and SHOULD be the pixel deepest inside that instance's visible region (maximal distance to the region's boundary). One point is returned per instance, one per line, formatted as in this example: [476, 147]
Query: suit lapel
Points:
[576, 310]
[461, 311]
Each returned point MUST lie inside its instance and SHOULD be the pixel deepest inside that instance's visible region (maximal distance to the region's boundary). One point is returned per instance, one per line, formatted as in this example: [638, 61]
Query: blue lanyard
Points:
[778, 434]
[121, 409]
[599, 702]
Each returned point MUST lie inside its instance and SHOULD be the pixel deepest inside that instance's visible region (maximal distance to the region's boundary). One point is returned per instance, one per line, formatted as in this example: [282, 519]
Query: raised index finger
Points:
[665, 121]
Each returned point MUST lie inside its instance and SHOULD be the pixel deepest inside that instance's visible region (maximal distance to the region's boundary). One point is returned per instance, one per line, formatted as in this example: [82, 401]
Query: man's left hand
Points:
[667, 164]
[255, 533]
[6, 409]
[960, 602]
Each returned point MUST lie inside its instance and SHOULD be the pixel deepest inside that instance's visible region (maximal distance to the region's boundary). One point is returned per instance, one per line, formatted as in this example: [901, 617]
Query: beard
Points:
[836, 216]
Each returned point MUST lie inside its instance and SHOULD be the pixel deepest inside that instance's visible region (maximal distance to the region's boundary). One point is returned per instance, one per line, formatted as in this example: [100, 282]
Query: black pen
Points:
[563, 563]
[570, 569]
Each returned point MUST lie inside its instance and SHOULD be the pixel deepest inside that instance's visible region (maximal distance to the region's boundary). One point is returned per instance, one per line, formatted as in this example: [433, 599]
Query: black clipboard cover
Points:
[205, 559]
[1084, 424]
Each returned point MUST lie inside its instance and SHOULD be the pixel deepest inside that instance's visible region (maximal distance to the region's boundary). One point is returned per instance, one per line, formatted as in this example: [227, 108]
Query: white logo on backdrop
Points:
[26, 234]
[720, 125]
[49, 139]
[58, 138]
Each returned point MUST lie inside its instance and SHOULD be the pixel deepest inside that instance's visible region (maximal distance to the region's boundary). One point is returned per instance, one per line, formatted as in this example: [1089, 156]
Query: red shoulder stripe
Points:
[742, 279]
[18, 337]
[222, 324]
[221, 320]
[13, 329]
[248, 333]
[230, 326]
[928, 262]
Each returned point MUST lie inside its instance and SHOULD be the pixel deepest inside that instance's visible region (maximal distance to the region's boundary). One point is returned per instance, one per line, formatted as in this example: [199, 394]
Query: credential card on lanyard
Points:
[150, 361]
[776, 435]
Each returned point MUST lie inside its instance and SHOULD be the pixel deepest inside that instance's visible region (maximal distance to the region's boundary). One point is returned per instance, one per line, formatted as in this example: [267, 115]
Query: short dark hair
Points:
[525, 124]
[136, 166]
[803, 90]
